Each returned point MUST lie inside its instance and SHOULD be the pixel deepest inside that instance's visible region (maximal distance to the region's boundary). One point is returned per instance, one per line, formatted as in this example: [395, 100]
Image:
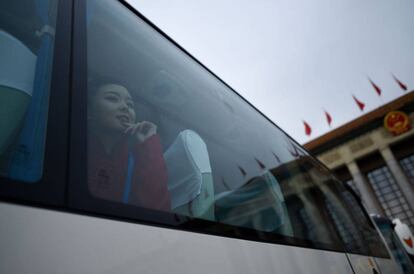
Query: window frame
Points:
[79, 197]
[50, 189]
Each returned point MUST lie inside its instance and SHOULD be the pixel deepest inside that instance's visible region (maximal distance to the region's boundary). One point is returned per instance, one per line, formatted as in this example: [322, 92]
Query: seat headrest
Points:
[258, 204]
[186, 159]
[18, 64]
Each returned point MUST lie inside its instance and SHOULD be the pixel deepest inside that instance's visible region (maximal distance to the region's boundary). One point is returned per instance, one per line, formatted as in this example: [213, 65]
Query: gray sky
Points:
[293, 59]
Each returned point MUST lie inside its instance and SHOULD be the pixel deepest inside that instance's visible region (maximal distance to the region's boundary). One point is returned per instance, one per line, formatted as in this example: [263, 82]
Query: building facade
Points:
[374, 155]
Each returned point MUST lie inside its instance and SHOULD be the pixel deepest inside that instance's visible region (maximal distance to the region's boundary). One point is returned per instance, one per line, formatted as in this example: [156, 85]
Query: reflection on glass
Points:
[224, 162]
[26, 50]
[258, 204]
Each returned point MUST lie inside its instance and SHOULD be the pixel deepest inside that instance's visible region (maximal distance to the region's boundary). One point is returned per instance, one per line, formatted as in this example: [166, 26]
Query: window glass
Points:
[165, 134]
[387, 190]
[356, 230]
[393, 242]
[407, 165]
[351, 183]
[26, 48]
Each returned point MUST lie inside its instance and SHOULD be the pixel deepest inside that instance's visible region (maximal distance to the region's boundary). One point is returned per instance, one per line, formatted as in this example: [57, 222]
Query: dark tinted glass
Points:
[165, 134]
[27, 31]
[407, 164]
[356, 230]
[389, 194]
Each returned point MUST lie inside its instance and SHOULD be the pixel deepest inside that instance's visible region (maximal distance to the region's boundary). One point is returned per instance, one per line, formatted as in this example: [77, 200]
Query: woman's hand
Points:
[142, 130]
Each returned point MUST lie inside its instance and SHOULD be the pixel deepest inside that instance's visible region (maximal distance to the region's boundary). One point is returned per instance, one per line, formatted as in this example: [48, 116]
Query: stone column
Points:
[369, 198]
[399, 176]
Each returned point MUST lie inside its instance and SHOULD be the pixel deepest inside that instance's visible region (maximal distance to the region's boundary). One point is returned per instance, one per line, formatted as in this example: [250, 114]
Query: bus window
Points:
[355, 229]
[26, 50]
[164, 133]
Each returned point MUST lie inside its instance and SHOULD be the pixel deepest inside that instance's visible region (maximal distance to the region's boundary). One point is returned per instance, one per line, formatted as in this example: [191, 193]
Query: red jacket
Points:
[107, 173]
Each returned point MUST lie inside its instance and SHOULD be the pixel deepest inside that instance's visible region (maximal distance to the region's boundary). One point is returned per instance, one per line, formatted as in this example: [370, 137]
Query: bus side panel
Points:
[47, 241]
[366, 265]
[389, 266]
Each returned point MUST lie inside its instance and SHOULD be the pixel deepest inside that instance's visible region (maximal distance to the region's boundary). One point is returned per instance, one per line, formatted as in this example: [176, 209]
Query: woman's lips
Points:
[124, 119]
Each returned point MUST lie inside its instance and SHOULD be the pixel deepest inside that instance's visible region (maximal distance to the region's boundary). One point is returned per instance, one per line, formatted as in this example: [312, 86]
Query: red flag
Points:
[261, 165]
[377, 89]
[277, 158]
[359, 103]
[225, 184]
[328, 118]
[402, 86]
[243, 172]
[308, 129]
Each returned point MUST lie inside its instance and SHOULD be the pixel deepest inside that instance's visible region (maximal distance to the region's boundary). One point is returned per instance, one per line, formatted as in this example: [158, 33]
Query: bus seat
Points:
[27, 159]
[17, 70]
[190, 180]
[259, 204]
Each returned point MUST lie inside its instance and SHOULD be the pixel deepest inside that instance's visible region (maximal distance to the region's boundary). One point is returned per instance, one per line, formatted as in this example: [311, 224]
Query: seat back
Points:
[190, 180]
[17, 70]
[259, 204]
[27, 158]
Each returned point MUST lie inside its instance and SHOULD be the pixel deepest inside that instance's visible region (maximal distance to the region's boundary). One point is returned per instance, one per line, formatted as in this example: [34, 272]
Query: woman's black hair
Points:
[95, 82]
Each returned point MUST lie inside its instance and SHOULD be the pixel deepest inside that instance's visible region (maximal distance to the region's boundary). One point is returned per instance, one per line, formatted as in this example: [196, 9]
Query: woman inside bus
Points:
[125, 160]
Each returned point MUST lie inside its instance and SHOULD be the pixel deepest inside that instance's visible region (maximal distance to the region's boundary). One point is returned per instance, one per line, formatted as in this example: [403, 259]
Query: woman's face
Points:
[111, 109]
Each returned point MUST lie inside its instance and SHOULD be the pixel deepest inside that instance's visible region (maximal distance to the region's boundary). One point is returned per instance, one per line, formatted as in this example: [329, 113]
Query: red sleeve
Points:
[150, 176]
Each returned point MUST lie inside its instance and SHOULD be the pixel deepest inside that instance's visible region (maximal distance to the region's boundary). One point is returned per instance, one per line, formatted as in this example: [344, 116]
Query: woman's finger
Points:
[149, 128]
[128, 129]
[145, 128]
[136, 129]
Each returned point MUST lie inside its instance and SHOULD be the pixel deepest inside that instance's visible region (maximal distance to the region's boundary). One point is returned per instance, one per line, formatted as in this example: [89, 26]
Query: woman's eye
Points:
[111, 98]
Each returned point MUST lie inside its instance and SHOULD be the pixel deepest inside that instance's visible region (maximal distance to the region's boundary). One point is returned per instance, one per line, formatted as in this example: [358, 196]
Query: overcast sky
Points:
[295, 59]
